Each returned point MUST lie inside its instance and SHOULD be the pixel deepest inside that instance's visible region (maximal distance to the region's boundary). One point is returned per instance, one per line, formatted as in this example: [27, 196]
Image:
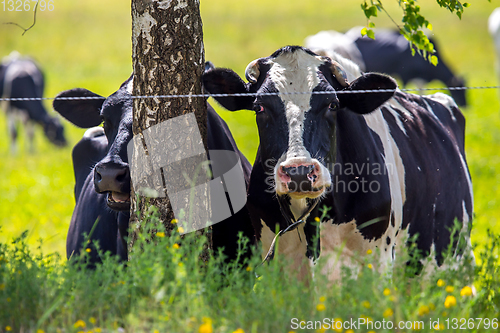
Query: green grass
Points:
[88, 44]
[167, 288]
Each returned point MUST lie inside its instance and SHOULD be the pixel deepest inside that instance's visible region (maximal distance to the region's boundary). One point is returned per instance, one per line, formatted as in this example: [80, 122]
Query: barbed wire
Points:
[206, 95]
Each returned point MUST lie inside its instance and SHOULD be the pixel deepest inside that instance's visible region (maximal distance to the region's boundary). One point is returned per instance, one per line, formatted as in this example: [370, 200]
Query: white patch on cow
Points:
[394, 164]
[292, 73]
[93, 132]
[327, 42]
[292, 246]
[446, 100]
[342, 245]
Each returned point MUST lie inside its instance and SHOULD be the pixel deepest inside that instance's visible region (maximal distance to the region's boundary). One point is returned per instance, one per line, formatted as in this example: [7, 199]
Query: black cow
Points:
[384, 171]
[390, 53]
[102, 173]
[22, 78]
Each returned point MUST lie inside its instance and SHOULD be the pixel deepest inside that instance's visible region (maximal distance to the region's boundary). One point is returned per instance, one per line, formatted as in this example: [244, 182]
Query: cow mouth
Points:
[118, 200]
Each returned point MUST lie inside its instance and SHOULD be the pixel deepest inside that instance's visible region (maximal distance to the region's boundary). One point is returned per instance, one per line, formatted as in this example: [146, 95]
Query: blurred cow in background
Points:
[388, 53]
[494, 29]
[20, 77]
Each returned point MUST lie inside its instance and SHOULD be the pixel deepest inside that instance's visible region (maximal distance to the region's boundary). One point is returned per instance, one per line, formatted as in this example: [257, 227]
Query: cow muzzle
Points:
[302, 180]
[113, 179]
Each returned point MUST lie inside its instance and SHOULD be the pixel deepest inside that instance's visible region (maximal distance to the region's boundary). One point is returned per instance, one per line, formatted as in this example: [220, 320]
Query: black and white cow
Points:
[102, 172]
[387, 165]
[389, 53]
[21, 78]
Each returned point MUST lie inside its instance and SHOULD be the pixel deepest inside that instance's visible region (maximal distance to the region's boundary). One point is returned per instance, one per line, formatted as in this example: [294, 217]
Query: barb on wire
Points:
[252, 94]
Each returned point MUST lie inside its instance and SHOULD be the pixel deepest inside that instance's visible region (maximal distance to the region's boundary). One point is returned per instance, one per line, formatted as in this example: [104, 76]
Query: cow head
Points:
[54, 131]
[297, 124]
[111, 174]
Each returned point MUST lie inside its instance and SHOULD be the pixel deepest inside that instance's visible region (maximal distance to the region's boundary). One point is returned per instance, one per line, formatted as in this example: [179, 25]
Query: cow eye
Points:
[258, 108]
[334, 106]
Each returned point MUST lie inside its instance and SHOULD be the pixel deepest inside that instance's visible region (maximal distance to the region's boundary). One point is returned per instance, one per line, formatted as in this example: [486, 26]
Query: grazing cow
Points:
[494, 30]
[384, 172]
[102, 172]
[21, 78]
[389, 53]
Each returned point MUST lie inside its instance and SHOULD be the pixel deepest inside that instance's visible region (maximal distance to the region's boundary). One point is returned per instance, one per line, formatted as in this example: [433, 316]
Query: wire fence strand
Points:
[206, 95]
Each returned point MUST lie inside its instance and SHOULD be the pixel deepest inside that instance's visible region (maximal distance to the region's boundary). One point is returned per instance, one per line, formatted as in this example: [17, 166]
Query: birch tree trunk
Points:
[168, 59]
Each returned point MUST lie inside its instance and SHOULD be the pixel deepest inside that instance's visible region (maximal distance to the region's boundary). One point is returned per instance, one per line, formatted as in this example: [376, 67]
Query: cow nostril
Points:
[122, 176]
[97, 176]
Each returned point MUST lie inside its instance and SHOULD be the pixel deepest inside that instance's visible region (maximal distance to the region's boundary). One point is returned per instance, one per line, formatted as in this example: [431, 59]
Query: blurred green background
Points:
[88, 44]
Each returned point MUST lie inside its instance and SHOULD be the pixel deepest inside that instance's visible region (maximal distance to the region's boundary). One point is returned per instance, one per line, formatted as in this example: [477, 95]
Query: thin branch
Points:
[31, 26]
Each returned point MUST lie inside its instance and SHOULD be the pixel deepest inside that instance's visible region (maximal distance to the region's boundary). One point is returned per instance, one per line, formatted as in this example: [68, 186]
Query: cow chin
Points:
[118, 201]
[290, 190]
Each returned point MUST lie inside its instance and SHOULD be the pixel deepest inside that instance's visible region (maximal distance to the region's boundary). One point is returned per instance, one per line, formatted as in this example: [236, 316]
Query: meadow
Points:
[88, 44]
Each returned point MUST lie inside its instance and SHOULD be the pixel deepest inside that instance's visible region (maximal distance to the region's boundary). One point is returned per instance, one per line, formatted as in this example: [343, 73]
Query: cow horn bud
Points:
[339, 73]
[252, 71]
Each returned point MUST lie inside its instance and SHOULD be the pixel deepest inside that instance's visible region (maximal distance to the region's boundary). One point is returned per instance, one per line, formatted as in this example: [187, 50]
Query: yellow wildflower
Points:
[423, 310]
[239, 330]
[2, 286]
[160, 234]
[156, 331]
[317, 219]
[439, 327]
[8, 328]
[322, 299]
[206, 327]
[320, 307]
[366, 304]
[370, 266]
[450, 301]
[387, 292]
[97, 330]
[174, 221]
[181, 230]
[349, 331]
[40, 331]
[466, 291]
[449, 289]
[388, 313]
[79, 323]
[175, 246]
[88, 250]
[440, 283]
[92, 320]
[249, 268]
[369, 251]
[337, 327]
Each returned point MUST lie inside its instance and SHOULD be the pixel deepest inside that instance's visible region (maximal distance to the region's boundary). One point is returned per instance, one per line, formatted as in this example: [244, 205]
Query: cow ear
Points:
[366, 102]
[83, 113]
[226, 81]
